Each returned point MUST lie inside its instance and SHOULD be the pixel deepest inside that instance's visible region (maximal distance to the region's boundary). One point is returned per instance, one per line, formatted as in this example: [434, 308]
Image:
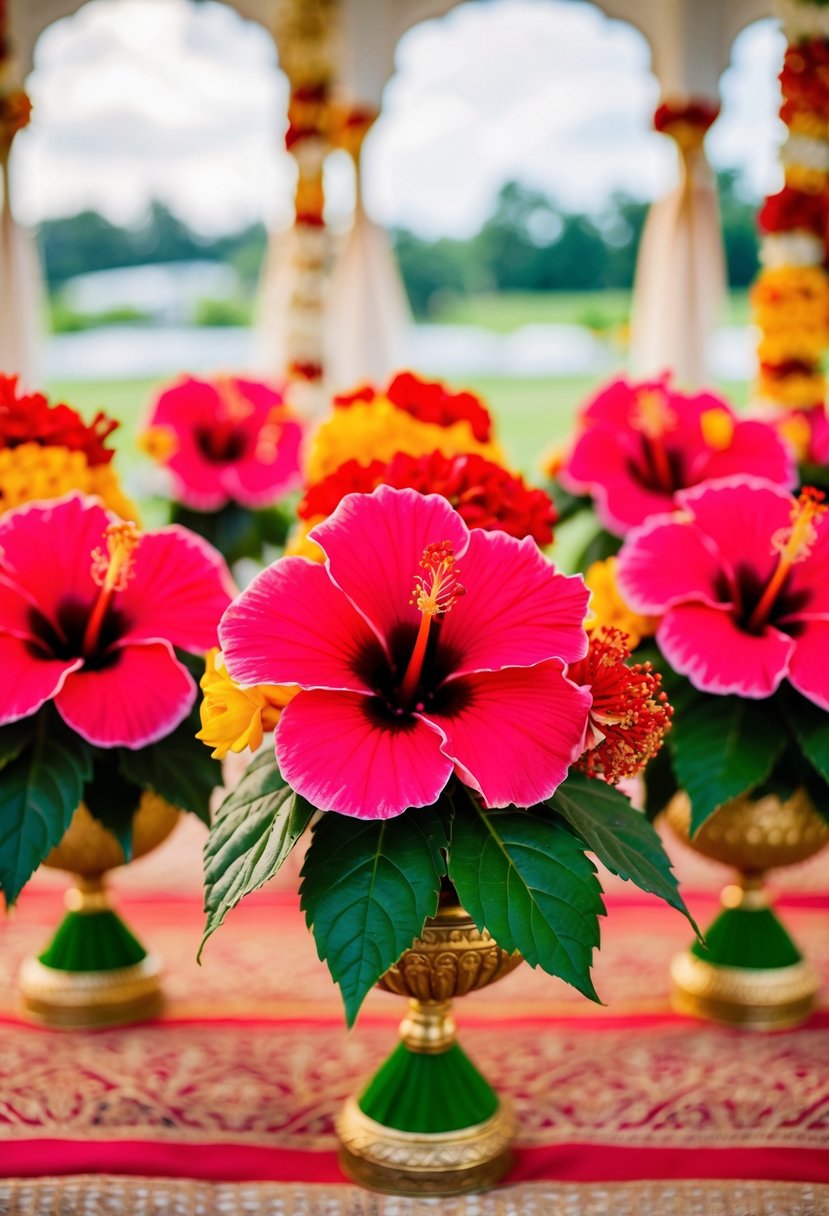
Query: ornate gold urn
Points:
[428, 1123]
[94, 972]
[749, 973]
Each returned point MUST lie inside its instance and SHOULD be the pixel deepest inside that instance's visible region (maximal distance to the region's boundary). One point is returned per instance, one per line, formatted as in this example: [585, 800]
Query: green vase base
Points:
[430, 1094]
[751, 938]
[91, 942]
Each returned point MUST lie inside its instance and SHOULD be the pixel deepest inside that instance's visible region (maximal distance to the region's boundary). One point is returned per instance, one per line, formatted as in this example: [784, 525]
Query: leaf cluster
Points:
[368, 886]
[46, 771]
[237, 532]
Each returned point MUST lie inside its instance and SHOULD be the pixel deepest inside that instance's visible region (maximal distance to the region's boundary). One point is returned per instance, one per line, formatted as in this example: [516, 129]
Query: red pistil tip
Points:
[436, 590]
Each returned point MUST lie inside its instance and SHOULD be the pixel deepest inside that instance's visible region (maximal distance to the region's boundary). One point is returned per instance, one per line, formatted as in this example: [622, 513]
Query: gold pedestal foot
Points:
[777, 998]
[89, 1000]
[419, 1163]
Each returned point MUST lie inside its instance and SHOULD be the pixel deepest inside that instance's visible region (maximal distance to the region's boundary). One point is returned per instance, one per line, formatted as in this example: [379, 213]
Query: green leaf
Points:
[15, 737]
[367, 888]
[255, 829]
[525, 878]
[660, 783]
[179, 768]
[721, 747]
[810, 727]
[112, 799]
[39, 793]
[622, 838]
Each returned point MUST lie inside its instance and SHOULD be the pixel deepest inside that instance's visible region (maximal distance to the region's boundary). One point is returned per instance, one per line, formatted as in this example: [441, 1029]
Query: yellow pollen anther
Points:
[435, 593]
[113, 567]
[717, 427]
[792, 544]
[652, 415]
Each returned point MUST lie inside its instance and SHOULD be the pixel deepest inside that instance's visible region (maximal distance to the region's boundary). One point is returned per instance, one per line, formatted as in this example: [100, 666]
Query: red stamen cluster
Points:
[630, 714]
[483, 493]
[29, 418]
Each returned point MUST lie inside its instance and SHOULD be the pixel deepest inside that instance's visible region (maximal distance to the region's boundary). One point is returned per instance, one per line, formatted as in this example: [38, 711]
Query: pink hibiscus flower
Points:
[641, 443]
[421, 648]
[223, 441]
[90, 610]
[740, 577]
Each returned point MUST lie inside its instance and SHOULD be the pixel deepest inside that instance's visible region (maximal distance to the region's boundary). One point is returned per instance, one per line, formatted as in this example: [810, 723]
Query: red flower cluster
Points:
[29, 418]
[483, 493]
[790, 210]
[428, 401]
[696, 112]
[805, 79]
[630, 714]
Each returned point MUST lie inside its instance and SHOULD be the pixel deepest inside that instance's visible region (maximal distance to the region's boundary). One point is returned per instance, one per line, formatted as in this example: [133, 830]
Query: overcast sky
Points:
[141, 99]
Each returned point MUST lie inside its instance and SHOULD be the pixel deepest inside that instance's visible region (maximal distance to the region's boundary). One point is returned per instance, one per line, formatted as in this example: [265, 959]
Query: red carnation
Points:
[483, 493]
[29, 418]
[431, 401]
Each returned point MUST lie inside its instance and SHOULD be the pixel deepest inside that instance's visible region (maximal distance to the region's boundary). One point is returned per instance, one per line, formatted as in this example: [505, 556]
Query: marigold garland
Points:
[790, 298]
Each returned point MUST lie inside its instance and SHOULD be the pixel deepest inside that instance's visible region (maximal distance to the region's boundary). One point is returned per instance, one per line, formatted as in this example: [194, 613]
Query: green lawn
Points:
[600, 310]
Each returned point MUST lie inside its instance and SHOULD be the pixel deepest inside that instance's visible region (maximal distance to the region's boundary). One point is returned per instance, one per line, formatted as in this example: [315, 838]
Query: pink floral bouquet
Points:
[737, 579]
[638, 446]
[99, 628]
[450, 724]
[231, 449]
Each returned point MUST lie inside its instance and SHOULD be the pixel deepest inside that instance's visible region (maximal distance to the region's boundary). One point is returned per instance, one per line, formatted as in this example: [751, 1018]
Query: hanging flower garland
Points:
[790, 298]
[304, 34]
[15, 106]
[686, 120]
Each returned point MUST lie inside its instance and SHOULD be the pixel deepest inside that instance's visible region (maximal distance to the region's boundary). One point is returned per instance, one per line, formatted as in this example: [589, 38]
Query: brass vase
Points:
[94, 972]
[428, 1123]
[749, 973]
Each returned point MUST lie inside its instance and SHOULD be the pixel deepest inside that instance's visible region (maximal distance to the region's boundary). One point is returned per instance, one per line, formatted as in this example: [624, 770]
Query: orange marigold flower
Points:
[484, 494]
[630, 714]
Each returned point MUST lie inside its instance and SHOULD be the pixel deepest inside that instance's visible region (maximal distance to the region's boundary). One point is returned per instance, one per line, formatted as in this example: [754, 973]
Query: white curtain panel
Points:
[680, 279]
[21, 297]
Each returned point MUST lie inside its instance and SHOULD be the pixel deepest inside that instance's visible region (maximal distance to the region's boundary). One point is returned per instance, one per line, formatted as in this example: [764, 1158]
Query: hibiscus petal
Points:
[268, 472]
[292, 625]
[46, 549]
[333, 750]
[139, 698]
[740, 524]
[179, 588]
[601, 465]
[707, 645]
[513, 734]
[668, 560]
[374, 543]
[518, 610]
[755, 448]
[807, 587]
[15, 611]
[809, 667]
[28, 681]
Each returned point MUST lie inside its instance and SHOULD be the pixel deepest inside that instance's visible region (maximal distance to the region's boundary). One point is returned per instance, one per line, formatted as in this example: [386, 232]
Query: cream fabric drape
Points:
[368, 313]
[20, 295]
[680, 278]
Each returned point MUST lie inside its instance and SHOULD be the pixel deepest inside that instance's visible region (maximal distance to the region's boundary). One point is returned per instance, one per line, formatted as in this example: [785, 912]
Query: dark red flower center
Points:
[222, 443]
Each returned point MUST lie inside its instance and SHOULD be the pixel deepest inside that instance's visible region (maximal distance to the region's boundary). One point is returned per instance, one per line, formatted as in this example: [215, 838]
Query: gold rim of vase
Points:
[774, 998]
[87, 1000]
[422, 1163]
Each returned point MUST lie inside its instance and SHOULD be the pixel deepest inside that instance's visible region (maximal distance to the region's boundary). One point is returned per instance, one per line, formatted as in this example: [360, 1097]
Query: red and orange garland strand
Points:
[304, 34]
[790, 298]
[686, 120]
[15, 107]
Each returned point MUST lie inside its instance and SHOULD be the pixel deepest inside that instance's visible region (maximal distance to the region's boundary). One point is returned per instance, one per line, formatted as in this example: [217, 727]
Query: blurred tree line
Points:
[528, 244]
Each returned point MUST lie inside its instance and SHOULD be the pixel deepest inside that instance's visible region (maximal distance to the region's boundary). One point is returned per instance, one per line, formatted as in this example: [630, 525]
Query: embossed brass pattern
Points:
[451, 958]
[88, 1000]
[408, 1163]
[753, 836]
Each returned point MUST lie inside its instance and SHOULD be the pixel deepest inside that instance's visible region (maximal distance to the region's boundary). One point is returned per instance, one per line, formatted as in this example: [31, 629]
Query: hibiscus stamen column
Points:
[434, 595]
[793, 544]
[654, 418]
[111, 570]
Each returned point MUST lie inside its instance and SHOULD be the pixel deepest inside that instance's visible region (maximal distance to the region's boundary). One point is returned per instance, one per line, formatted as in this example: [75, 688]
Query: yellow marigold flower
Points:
[798, 391]
[299, 543]
[801, 346]
[805, 122]
[807, 178]
[31, 471]
[159, 443]
[796, 431]
[376, 430]
[607, 608]
[233, 717]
